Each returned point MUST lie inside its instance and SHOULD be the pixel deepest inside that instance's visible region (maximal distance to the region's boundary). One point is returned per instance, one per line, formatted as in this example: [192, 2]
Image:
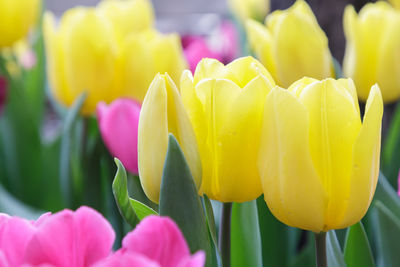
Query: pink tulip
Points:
[160, 242]
[3, 92]
[70, 239]
[118, 125]
[195, 49]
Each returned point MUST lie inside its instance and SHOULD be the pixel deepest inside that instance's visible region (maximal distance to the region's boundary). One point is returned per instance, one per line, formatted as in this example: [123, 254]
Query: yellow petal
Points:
[365, 166]
[292, 188]
[137, 69]
[16, 18]
[242, 70]
[90, 57]
[153, 138]
[55, 61]
[297, 87]
[301, 49]
[261, 43]
[129, 16]
[180, 126]
[216, 97]
[334, 127]
[208, 68]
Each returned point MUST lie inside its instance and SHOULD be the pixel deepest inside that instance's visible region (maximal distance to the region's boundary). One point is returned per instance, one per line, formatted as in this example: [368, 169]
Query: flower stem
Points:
[225, 234]
[320, 249]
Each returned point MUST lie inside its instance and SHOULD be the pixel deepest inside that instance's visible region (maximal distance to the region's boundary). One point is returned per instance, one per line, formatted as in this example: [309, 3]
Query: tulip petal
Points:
[216, 97]
[208, 68]
[153, 136]
[292, 188]
[242, 70]
[68, 238]
[55, 62]
[261, 42]
[197, 260]
[90, 57]
[118, 125]
[128, 259]
[159, 239]
[15, 234]
[365, 166]
[334, 127]
[239, 143]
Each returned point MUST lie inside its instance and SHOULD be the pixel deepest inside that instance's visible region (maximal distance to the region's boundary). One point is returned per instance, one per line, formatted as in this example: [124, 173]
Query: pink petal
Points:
[15, 233]
[197, 260]
[118, 125]
[160, 239]
[3, 260]
[130, 259]
[71, 239]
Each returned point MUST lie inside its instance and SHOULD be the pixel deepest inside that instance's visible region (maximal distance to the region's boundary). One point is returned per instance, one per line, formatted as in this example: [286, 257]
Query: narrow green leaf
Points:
[333, 251]
[210, 219]
[388, 236]
[141, 209]
[357, 252]
[337, 68]
[387, 195]
[391, 149]
[279, 242]
[180, 201]
[245, 235]
[65, 163]
[120, 191]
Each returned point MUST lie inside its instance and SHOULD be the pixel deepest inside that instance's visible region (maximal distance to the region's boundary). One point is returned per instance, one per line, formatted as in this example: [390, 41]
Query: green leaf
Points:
[391, 149]
[245, 235]
[337, 68]
[141, 209]
[279, 242]
[388, 236]
[120, 191]
[210, 219]
[305, 257]
[357, 252]
[333, 251]
[65, 153]
[387, 195]
[180, 201]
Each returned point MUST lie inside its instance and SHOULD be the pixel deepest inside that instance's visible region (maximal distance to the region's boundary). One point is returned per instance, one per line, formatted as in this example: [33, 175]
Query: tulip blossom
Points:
[225, 105]
[372, 49]
[291, 45]
[108, 51]
[118, 124]
[319, 164]
[156, 241]
[249, 9]
[16, 18]
[163, 113]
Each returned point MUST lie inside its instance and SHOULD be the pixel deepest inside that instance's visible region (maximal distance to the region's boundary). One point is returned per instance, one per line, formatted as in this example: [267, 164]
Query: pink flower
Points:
[118, 125]
[3, 92]
[70, 239]
[157, 241]
[196, 48]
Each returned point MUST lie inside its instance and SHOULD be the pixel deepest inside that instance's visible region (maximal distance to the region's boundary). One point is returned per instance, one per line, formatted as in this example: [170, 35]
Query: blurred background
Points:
[187, 16]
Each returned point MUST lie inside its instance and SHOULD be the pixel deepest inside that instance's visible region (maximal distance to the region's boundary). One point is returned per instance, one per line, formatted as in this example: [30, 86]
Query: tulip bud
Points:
[372, 50]
[225, 106]
[16, 18]
[109, 51]
[163, 113]
[118, 124]
[291, 45]
[319, 164]
[249, 9]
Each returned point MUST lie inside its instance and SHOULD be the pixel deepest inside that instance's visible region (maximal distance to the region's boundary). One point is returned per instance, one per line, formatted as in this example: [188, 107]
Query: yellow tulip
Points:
[109, 51]
[373, 49]
[16, 18]
[395, 3]
[249, 9]
[163, 113]
[291, 45]
[318, 162]
[225, 106]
